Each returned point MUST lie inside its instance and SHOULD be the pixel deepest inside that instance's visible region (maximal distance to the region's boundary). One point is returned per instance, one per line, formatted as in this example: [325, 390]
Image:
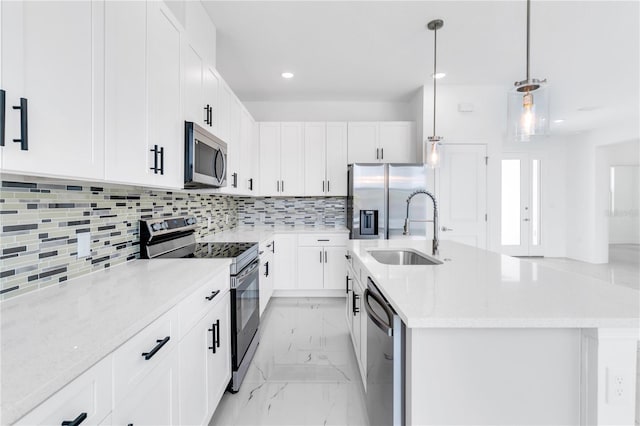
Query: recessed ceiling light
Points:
[558, 121]
[438, 75]
[287, 75]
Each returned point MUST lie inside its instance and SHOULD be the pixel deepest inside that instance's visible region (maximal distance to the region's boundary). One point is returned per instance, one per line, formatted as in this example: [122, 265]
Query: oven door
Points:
[245, 310]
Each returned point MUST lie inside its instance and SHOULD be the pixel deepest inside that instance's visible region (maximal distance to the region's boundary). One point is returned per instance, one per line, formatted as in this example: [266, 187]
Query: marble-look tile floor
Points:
[623, 267]
[304, 371]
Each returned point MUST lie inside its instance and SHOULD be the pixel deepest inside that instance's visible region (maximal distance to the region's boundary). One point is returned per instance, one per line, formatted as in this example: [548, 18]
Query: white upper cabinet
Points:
[269, 141]
[195, 108]
[315, 179]
[397, 142]
[337, 159]
[292, 159]
[248, 155]
[210, 91]
[281, 159]
[234, 156]
[325, 165]
[201, 31]
[382, 142]
[52, 69]
[363, 143]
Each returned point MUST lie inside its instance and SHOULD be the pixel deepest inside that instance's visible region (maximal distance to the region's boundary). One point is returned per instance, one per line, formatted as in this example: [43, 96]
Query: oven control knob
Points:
[156, 227]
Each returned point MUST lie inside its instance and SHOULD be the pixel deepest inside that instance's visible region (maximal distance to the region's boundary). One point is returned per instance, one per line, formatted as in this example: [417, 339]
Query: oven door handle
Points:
[249, 269]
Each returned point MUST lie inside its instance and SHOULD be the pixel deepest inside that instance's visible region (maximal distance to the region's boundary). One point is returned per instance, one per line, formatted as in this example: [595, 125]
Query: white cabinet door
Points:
[266, 280]
[285, 258]
[234, 155]
[269, 159]
[336, 154]
[310, 268]
[248, 154]
[218, 327]
[254, 154]
[292, 159]
[224, 103]
[166, 130]
[363, 142]
[126, 142]
[356, 298]
[334, 268]
[397, 142]
[88, 395]
[210, 85]
[315, 182]
[194, 106]
[53, 58]
[155, 400]
[193, 375]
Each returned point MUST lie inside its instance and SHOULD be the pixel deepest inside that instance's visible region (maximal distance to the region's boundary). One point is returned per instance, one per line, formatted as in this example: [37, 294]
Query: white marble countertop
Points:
[51, 336]
[262, 233]
[479, 288]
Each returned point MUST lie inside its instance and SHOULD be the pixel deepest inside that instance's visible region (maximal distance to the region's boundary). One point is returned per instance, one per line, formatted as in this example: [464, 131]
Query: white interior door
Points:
[462, 194]
[520, 221]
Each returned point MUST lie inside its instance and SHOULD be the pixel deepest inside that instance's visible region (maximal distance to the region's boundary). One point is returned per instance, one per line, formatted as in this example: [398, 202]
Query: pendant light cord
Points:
[528, 34]
[435, 59]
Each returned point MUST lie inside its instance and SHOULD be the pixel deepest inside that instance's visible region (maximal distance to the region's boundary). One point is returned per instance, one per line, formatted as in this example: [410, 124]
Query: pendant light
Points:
[528, 106]
[433, 156]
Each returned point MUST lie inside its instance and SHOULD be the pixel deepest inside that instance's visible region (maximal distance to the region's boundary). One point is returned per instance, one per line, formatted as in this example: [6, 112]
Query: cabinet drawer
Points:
[203, 299]
[130, 366]
[306, 240]
[89, 394]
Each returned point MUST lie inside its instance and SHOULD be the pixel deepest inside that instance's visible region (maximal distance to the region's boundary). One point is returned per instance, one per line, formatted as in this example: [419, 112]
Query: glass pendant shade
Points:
[433, 151]
[528, 112]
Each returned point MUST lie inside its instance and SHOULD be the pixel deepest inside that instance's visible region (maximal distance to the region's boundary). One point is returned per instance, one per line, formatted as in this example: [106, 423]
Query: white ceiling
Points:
[381, 51]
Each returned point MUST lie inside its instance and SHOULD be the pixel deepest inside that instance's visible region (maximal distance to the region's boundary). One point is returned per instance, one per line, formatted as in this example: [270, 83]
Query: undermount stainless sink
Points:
[402, 257]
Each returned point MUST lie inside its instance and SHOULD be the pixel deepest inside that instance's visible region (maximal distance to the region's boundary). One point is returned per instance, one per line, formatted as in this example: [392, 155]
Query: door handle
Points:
[445, 229]
[76, 421]
[162, 160]
[322, 186]
[206, 114]
[282, 186]
[320, 256]
[328, 186]
[235, 180]
[213, 294]
[155, 159]
[250, 184]
[347, 284]
[382, 153]
[325, 256]
[277, 186]
[377, 153]
[24, 128]
[160, 343]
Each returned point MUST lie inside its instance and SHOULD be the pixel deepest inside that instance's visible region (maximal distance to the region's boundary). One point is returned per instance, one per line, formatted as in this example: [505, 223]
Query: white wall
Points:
[329, 111]
[624, 223]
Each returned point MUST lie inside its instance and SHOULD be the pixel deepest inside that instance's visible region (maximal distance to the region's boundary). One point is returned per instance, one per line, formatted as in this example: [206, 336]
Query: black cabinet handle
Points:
[328, 186]
[162, 160]
[235, 180]
[377, 153]
[347, 256]
[210, 116]
[215, 336]
[323, 240]
[160, 343]
[3, 104]
[347, 284]
[76, 421]
[354, 307]
[382, 153]
[322, 186]
[206, 118]
[266, 269]
[250, 184]
[277, 186]
[24, 128]
[273, 247]
[213, 294]
[155, 159]
[282, 186]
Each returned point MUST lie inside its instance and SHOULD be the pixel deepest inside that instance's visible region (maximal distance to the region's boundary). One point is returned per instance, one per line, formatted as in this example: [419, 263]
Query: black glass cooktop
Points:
[212, 250]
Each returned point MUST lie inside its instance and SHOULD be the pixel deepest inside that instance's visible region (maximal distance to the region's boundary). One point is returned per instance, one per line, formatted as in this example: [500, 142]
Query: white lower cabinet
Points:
[267, 274]
[86, 399]
[205, 365]
[356, 318]
[321, 264]
[154, 400]
[285, 259]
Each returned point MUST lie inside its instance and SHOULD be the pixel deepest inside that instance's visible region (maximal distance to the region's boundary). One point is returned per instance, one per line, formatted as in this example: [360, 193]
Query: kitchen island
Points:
[493, 339]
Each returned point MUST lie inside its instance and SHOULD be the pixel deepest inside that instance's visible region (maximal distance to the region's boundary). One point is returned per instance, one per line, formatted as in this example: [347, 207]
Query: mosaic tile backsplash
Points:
[326, 211]
[40, 222]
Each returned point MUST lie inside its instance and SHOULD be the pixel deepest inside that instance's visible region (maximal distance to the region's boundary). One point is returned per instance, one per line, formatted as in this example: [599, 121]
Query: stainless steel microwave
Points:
[205, 158]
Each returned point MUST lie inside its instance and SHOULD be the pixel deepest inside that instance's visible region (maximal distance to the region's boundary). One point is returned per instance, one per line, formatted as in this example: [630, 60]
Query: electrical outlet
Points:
[619, 387]
[84, 244]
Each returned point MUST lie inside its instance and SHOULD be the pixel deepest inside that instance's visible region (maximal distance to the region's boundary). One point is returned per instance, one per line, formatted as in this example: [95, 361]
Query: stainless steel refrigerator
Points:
[377, 200]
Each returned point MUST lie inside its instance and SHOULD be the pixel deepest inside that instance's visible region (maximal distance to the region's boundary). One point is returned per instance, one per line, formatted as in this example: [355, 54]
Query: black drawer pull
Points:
[24, 128]
[3, 104]
[162, 160]
[266, 269]
[250, 184]
[148, 355]
[354, 307]
[347, 256]
[347, 284]
[76, 421]
[155, 159]
[324, 240]
[213, 294]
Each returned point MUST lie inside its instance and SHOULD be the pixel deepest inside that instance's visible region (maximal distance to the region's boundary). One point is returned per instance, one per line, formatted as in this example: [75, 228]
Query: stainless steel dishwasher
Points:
[385, 360]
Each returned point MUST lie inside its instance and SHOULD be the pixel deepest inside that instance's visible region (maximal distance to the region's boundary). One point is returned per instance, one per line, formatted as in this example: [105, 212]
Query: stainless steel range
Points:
[175, 238]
